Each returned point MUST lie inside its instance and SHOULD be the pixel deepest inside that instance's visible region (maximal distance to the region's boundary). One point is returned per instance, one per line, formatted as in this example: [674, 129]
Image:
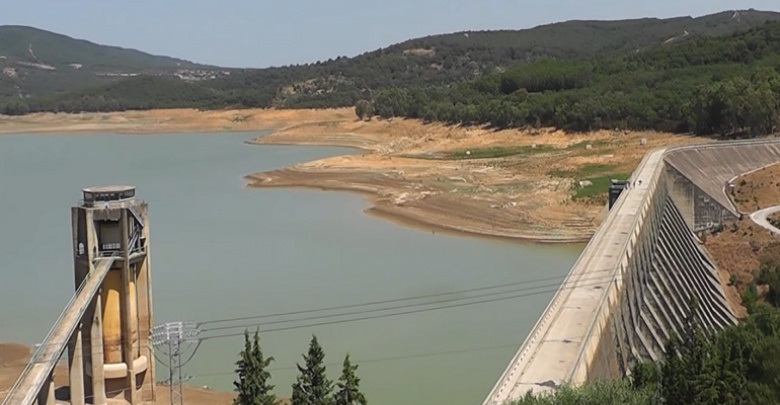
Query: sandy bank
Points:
[511, 184]
[508, 184]
[14, 357]
[159, 121]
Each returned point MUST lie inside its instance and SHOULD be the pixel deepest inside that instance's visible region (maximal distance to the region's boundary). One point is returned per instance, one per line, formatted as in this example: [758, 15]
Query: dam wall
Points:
[633, 284]
[700, 178]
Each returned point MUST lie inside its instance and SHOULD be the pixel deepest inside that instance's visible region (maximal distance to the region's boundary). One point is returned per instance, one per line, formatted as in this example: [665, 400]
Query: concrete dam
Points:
[632, 285]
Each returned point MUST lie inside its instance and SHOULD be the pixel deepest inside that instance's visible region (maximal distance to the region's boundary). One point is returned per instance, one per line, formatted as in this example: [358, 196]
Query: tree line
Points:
[312, 386]
[460, 73]
[723, 85]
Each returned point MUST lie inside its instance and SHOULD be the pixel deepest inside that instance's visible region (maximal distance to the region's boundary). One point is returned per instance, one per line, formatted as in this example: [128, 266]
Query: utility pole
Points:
[175, 339]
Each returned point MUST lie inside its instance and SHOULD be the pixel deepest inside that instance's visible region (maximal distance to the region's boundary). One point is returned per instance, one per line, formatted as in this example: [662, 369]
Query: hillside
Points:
[451, 58]
[32, 45]
[728, 85]
[438, 60]
[492, 50]
[35, 62]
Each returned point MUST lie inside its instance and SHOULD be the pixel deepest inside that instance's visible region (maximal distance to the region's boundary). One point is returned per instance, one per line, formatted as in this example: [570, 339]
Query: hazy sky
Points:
[259, 33]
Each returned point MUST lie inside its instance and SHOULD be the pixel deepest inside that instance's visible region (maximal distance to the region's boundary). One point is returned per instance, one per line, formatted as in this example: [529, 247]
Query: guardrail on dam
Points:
[631, 286]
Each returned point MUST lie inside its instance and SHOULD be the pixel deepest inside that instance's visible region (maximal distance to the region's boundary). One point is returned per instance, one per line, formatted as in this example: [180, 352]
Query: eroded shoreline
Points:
[510, 184]
[438, 177]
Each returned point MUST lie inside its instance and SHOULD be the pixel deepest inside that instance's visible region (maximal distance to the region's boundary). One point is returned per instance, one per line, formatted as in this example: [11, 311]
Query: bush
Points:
[597, 393]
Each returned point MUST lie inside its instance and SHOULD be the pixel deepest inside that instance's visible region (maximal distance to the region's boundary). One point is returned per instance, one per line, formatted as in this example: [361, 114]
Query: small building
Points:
[615, 188]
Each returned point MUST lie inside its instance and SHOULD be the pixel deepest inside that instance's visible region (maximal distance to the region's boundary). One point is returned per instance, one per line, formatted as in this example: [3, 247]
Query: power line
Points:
[386, 359]
[599, 280]
[390, 301]
[413, 311]
[364, 361]
[374, 310]
[563, 287]
[535, 290]
[383, 359]
[176, 335]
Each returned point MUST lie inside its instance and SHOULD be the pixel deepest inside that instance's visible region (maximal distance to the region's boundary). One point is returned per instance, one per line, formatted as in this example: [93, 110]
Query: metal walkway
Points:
[42, 362]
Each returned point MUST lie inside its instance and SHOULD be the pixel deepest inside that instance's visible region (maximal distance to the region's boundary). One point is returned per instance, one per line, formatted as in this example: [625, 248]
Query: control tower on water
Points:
[114, 353]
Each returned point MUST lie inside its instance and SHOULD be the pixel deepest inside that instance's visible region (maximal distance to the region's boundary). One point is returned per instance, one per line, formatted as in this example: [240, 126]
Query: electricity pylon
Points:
[176, 340]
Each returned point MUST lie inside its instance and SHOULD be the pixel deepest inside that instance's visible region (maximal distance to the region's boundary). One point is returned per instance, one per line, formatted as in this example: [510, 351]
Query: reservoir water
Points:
[221, 250]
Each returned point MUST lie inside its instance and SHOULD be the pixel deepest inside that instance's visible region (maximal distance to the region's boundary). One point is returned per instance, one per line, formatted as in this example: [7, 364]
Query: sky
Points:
[262, 33]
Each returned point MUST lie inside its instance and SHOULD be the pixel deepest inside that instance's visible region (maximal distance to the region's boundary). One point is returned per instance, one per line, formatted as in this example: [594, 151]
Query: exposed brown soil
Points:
[739, 248]
[13, 359]
[420, 174]
[416, 174]
[757, 190]
[774, 219]
[157, 121]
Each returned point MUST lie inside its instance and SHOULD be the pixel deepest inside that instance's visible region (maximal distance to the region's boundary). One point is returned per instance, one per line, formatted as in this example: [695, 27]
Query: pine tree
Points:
[312, 386]
[349, 386]
[252, 384]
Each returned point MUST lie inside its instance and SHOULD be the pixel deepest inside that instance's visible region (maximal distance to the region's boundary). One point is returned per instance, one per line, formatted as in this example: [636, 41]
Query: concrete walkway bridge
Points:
[632, 285]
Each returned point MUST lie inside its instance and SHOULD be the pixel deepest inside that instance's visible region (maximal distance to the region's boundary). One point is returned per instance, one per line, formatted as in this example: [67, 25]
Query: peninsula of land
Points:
[538, 185]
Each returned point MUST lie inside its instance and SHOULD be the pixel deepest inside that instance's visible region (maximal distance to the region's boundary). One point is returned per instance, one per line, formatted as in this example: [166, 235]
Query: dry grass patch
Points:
[740, 248]
[757, 190]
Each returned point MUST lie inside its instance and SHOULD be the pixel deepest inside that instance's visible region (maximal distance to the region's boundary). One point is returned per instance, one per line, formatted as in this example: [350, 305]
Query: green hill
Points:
[35, 62]
[574, 39]
[451, 58]
[728, 85]
[438, 60]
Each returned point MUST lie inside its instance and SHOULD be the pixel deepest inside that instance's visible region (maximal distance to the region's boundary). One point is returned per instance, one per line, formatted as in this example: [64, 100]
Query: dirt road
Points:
[739, 248]
[761, 218]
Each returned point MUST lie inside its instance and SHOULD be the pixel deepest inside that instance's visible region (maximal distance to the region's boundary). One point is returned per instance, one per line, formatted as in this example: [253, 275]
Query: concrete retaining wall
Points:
[699, 175]
[700, 211]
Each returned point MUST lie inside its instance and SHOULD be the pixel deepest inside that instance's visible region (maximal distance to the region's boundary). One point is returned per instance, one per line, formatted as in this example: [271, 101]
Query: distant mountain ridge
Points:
[582, 38]
[28, 44]
[47, 71]
[36, 62]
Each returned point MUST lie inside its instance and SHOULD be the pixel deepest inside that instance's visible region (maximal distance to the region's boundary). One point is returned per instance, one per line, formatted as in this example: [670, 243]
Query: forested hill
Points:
[573, 39]
[726, 85]
[451, 58]
[439, 60]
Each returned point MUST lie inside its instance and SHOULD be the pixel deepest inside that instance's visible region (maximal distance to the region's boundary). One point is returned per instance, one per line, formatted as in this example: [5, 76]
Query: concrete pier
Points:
[105, 328]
